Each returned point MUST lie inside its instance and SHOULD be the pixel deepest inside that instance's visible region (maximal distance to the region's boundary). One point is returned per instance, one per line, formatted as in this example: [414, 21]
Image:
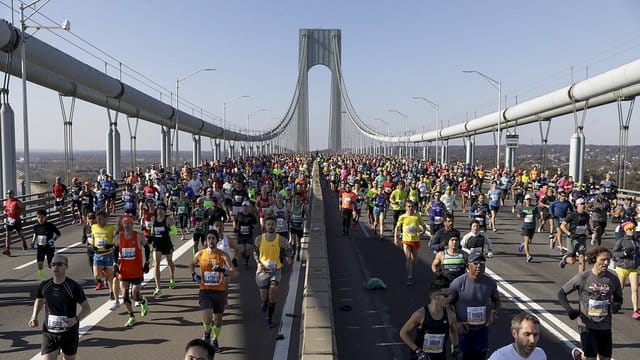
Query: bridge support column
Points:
[576, 155]
[469, 151]
[216, 152]
[444, 152]
[196, 150]
[165, 147]
[8, 148]
[509, 157]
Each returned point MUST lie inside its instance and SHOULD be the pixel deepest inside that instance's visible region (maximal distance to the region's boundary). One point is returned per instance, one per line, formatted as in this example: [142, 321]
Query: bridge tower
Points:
[319, 47]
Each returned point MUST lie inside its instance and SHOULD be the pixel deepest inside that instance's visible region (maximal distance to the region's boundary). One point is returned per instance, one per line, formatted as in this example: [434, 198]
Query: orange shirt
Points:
[348, 200]
[211, 280]
[12, 208]
[130, 257]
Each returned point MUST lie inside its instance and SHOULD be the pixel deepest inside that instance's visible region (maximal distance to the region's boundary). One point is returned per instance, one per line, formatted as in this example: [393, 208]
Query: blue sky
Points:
[391, 51]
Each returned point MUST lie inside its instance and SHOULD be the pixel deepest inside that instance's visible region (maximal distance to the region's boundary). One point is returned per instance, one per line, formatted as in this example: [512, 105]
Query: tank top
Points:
[103, 238]
[432, 333]
[296, 215]
[130, 257]
[270, 253]
[281, 218]
[453, 265]
[160, 229]
[211, 280]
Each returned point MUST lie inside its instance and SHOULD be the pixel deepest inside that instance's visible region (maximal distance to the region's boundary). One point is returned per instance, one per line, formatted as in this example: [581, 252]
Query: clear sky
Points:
[391, 51]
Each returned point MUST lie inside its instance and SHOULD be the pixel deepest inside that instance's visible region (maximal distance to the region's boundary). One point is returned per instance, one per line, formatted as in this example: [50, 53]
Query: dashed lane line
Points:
[57, 252]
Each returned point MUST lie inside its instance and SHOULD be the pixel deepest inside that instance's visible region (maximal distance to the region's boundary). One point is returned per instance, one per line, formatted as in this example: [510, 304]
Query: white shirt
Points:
[508, 352]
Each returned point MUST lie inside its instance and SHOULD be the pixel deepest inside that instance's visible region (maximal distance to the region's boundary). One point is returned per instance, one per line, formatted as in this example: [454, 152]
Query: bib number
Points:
[56, 324]
[437, 219]
[244, 229]
[528, 218]
[581, 229]
[476, 315]
[433, 343]
[270, 266]
[101, 243]
[128, 253]
[212, 278]
[182, 209]
[42, 240]
[411, 230]
[598, 308]
[10, 221]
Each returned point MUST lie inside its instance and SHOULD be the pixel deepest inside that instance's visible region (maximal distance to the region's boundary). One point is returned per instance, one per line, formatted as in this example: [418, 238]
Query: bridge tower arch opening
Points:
[319, 47]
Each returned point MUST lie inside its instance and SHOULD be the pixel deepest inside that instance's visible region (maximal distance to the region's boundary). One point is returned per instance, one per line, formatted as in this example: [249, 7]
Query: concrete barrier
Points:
[317, 335]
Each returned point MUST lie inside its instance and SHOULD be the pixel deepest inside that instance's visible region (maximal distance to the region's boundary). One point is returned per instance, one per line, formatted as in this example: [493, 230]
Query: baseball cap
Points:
[528, 197]
[161, 206]
[246, 203]
[127, 217]
[579, 201]
[477, 257]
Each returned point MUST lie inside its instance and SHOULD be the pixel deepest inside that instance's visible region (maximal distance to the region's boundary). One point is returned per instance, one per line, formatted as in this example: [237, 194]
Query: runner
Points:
[529, 214]
[102, 236]
[525, 329]
[87, 196]
[45, 234]
[379, 209]
[436, 210]
[59, 193]
[476, 301]
[59, 295]
[436, 323]
[296, 227]
[198, 349]
[475, 240]
[412, 226]
[76, 203]
[450, 262]
[600, 209]
[197, 221]
[346, 203]
[397, 200]
[162, 246]
[12, 221]
[576, 227]
[269, 249]
[131, 267]
[600, 296]
[495, 201]
[559, 210]
[440, 239]
[182, 206]
[246, 225]
[627, 255]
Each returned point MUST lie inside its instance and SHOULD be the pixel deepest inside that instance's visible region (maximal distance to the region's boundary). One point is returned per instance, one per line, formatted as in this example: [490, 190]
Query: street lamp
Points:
[498, 85]
[436, 107]
[66, 25]
[224, 117]
[406, 127]
[385, 123]
[178, 81]
[249, 115]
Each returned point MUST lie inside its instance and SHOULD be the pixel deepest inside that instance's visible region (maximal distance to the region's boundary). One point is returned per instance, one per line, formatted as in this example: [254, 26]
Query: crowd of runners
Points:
[424, 199]
[262, 201]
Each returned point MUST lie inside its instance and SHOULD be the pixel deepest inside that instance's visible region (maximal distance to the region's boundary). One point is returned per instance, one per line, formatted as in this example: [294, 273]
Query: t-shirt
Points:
[473, 299]
[595, 294]
[60, 300]
[410, 227]
[508, 352]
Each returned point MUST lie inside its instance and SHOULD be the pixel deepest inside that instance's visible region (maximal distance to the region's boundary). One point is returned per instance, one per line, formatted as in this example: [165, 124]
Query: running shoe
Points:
[33, 244]
[216, 346]
[529, 258]
[7, 252]
[144, 309]
[636, 315]
[111, 296]
[136, 304]
[114, 306]
[576, 354]
[539, 229]
[100, 286]
[521, 247]
[552, 243]
[563, 262]
[269, 323]
[157, 292]
[263, 307]
[207, 337]
[172, 283]
[24, 246]
[593, 242]
[131, 321]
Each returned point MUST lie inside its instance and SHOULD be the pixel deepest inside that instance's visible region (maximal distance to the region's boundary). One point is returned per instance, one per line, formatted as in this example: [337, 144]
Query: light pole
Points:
[436, 107]
[66, 25]
[224, 117]
[178, 81]
[498, 85]
[249, 115]
[406, 128]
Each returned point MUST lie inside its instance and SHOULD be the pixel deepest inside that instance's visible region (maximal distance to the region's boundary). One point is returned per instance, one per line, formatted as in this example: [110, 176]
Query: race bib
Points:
[411, 230]
[42, 240]
[237, 198]
[296, 219]
[59, 198]
[528, 218]
[265, 210]
[174, 198]
[128, 253]
[495, 197]
[480, 219]
[347, 200]
[476, 315]
[244, 229]
[9, 221]
[270, 266]
[158, 230]
[56, 324]
[182, 209]
[280, 222]
[101, 243]
[400, 202]
[75, 197]
[199, 225]
[598, 308]
[148, 225]
[86, 201]
[437, 219]
[581, 229]
[433, 343]
[212, 278]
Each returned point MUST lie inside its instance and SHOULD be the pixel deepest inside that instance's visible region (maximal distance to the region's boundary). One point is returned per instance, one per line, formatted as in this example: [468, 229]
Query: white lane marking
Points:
[364, 229]
[286, 323]
[57, 252]
[103, 310]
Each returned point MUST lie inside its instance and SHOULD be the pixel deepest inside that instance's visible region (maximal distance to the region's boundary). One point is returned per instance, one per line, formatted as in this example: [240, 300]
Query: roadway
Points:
[173, 319]
[370, 329]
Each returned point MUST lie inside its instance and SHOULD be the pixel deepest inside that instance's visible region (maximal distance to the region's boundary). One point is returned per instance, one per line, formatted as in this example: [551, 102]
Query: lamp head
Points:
[66, 25]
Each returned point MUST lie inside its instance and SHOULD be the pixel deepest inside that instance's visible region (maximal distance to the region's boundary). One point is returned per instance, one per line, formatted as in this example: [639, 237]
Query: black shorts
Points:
[58, 203]
[596, 342]
[598, 225]
[17, 226]
[297, 231]
[87, 209]
[45, 250]
[212, 299]
[528, 232]
[182, 220]
[245, 239]
[76, 203]
[494, 208]
[66, 341]
[132, 212]
[133, 281]
[164, 245]
[197, 238]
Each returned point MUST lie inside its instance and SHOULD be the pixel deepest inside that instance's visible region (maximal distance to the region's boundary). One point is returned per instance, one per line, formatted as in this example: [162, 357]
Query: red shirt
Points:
[13, 208]
[130, 257]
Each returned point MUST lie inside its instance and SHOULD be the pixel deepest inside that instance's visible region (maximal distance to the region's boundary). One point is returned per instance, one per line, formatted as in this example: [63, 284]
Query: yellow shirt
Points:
[397, 198]
[270, 253]
[102, 238]
[410, 227]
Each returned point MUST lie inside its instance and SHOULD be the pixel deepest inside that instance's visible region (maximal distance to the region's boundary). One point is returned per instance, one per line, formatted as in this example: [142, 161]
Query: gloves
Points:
[196, 277]
[490, 254]
[615, 307]
[51, 242]
[145, 267]
[421, 355]
[573, 314]
[219, 268]
[456, 354]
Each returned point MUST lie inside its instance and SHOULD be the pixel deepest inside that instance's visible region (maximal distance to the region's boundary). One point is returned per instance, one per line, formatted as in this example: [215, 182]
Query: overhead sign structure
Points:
[512, 140]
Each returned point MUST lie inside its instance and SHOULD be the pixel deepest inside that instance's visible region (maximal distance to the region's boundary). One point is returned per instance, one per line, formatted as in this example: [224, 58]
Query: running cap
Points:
[127, 218]
[628, 225]
[477, 257]
[161, 206]
[246, 203]
[580, 201]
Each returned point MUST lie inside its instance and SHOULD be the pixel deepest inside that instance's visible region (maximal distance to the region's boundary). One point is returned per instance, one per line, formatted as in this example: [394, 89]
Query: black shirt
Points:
[60, 300]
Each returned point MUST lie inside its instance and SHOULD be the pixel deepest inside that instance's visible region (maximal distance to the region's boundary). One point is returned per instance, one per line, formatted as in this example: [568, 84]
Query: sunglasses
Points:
[58, 264]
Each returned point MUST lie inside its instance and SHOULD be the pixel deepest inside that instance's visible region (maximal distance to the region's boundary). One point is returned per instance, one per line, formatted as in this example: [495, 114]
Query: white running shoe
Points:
[114, 306]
